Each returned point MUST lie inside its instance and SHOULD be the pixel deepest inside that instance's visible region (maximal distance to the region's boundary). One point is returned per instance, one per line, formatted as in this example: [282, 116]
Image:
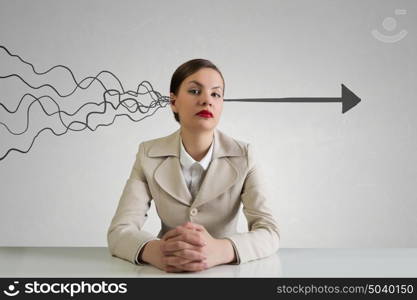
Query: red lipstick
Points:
[205, 114]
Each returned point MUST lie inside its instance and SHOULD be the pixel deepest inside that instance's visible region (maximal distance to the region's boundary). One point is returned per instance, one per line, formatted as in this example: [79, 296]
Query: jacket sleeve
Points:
[263, 238]
[125, 236]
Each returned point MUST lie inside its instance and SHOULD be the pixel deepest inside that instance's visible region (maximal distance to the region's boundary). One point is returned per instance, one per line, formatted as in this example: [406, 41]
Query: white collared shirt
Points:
[193, 170]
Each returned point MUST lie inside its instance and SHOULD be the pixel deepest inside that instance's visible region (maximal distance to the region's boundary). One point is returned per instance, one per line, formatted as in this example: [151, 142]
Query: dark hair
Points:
[186, 69]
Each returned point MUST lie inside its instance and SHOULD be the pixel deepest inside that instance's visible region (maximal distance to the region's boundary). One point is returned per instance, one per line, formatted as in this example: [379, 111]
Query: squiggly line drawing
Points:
[125, 100]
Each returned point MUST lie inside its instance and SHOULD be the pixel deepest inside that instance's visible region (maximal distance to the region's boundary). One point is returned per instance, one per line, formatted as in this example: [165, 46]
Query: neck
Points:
[196, 144]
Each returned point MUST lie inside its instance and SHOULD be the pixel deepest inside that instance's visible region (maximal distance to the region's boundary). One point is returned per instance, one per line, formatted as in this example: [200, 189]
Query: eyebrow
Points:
[198, 83]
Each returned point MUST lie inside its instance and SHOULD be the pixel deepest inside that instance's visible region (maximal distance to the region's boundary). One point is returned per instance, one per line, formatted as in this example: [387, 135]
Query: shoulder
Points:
[232, 141]
[161, 146]
[248, 152]
[251, 152]
[161, 139]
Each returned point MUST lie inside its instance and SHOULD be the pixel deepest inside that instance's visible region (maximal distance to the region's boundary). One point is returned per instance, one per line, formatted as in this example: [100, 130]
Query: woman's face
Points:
[202, 90]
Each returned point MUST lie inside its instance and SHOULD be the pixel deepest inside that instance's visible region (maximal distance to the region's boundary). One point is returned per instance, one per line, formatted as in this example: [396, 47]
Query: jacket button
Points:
[193, 211]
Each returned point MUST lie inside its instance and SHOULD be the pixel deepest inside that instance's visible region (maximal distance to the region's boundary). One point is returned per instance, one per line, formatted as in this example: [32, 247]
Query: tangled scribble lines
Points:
[116, 102]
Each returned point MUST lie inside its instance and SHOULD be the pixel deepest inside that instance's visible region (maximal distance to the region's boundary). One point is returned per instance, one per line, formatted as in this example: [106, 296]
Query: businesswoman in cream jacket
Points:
[198, 178]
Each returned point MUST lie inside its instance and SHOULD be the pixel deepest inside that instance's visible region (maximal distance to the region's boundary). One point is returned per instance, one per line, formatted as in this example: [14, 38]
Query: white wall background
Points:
[338, 180]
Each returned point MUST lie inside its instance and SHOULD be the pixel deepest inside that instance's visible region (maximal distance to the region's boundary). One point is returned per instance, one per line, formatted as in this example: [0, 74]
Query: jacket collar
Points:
[187, 160]
[170, 145]
[220, 176]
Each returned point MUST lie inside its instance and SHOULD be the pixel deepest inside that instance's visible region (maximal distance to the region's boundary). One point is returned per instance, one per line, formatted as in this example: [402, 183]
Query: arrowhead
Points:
[349, 99]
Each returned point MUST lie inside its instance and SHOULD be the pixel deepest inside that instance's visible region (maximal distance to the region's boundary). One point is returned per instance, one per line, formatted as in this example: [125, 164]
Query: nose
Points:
[206, 98]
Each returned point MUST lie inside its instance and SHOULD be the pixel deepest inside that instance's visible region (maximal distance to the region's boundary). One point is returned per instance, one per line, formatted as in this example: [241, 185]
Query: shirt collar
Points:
[187, 161]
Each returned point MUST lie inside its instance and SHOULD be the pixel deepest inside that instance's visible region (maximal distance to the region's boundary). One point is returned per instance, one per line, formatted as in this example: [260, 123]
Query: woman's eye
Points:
[195, 92]
[192, 91]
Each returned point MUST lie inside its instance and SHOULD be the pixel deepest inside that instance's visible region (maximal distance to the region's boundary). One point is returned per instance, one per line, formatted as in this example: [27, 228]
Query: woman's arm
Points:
[125, 236]
[263, 238]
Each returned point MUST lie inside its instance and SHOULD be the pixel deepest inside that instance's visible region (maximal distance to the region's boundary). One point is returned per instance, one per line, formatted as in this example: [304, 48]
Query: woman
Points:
[198, 177]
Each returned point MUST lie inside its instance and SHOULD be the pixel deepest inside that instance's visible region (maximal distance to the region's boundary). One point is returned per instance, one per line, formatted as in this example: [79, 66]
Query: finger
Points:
[190, 254]
[180, 229]
[193, 226]
[184, 234]
[173, 232]
[190, 237]
[172, 269]
[175, 260]
[194, 266]
[168, 234]
[172, 246]
[198, 227]
[178, 261]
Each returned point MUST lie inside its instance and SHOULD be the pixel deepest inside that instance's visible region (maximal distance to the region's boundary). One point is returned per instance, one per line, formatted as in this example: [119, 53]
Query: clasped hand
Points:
[189, 247]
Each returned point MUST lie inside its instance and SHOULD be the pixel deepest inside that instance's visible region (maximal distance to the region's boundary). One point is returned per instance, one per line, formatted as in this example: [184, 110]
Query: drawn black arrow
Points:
[348, 99]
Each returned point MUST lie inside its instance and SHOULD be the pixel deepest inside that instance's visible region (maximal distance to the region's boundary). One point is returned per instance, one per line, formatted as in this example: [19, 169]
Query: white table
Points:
[287, 262]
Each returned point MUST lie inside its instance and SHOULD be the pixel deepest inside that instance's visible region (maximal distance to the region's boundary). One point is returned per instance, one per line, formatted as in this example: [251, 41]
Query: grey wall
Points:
[338, 180]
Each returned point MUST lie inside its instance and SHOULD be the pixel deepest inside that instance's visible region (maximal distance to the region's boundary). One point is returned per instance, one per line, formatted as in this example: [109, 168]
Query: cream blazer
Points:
[232, 180]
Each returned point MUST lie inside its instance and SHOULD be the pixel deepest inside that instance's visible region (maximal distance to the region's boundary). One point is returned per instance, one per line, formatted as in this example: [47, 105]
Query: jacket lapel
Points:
[220, 175]
[170, 178]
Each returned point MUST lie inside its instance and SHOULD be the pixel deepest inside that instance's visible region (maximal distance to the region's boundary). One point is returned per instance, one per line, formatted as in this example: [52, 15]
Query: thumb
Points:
[194, 226]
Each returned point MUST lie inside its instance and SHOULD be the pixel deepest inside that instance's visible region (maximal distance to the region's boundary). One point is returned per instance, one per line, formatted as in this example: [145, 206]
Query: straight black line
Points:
[314, 99]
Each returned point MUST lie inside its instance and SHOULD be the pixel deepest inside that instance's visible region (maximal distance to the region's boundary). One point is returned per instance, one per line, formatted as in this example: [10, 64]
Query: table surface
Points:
[287, 262]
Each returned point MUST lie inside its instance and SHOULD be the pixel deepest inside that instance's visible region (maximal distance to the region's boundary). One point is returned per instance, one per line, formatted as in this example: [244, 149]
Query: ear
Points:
[172, 100]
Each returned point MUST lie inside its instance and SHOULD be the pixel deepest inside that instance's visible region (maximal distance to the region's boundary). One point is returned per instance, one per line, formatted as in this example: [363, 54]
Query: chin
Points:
[205, 126]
